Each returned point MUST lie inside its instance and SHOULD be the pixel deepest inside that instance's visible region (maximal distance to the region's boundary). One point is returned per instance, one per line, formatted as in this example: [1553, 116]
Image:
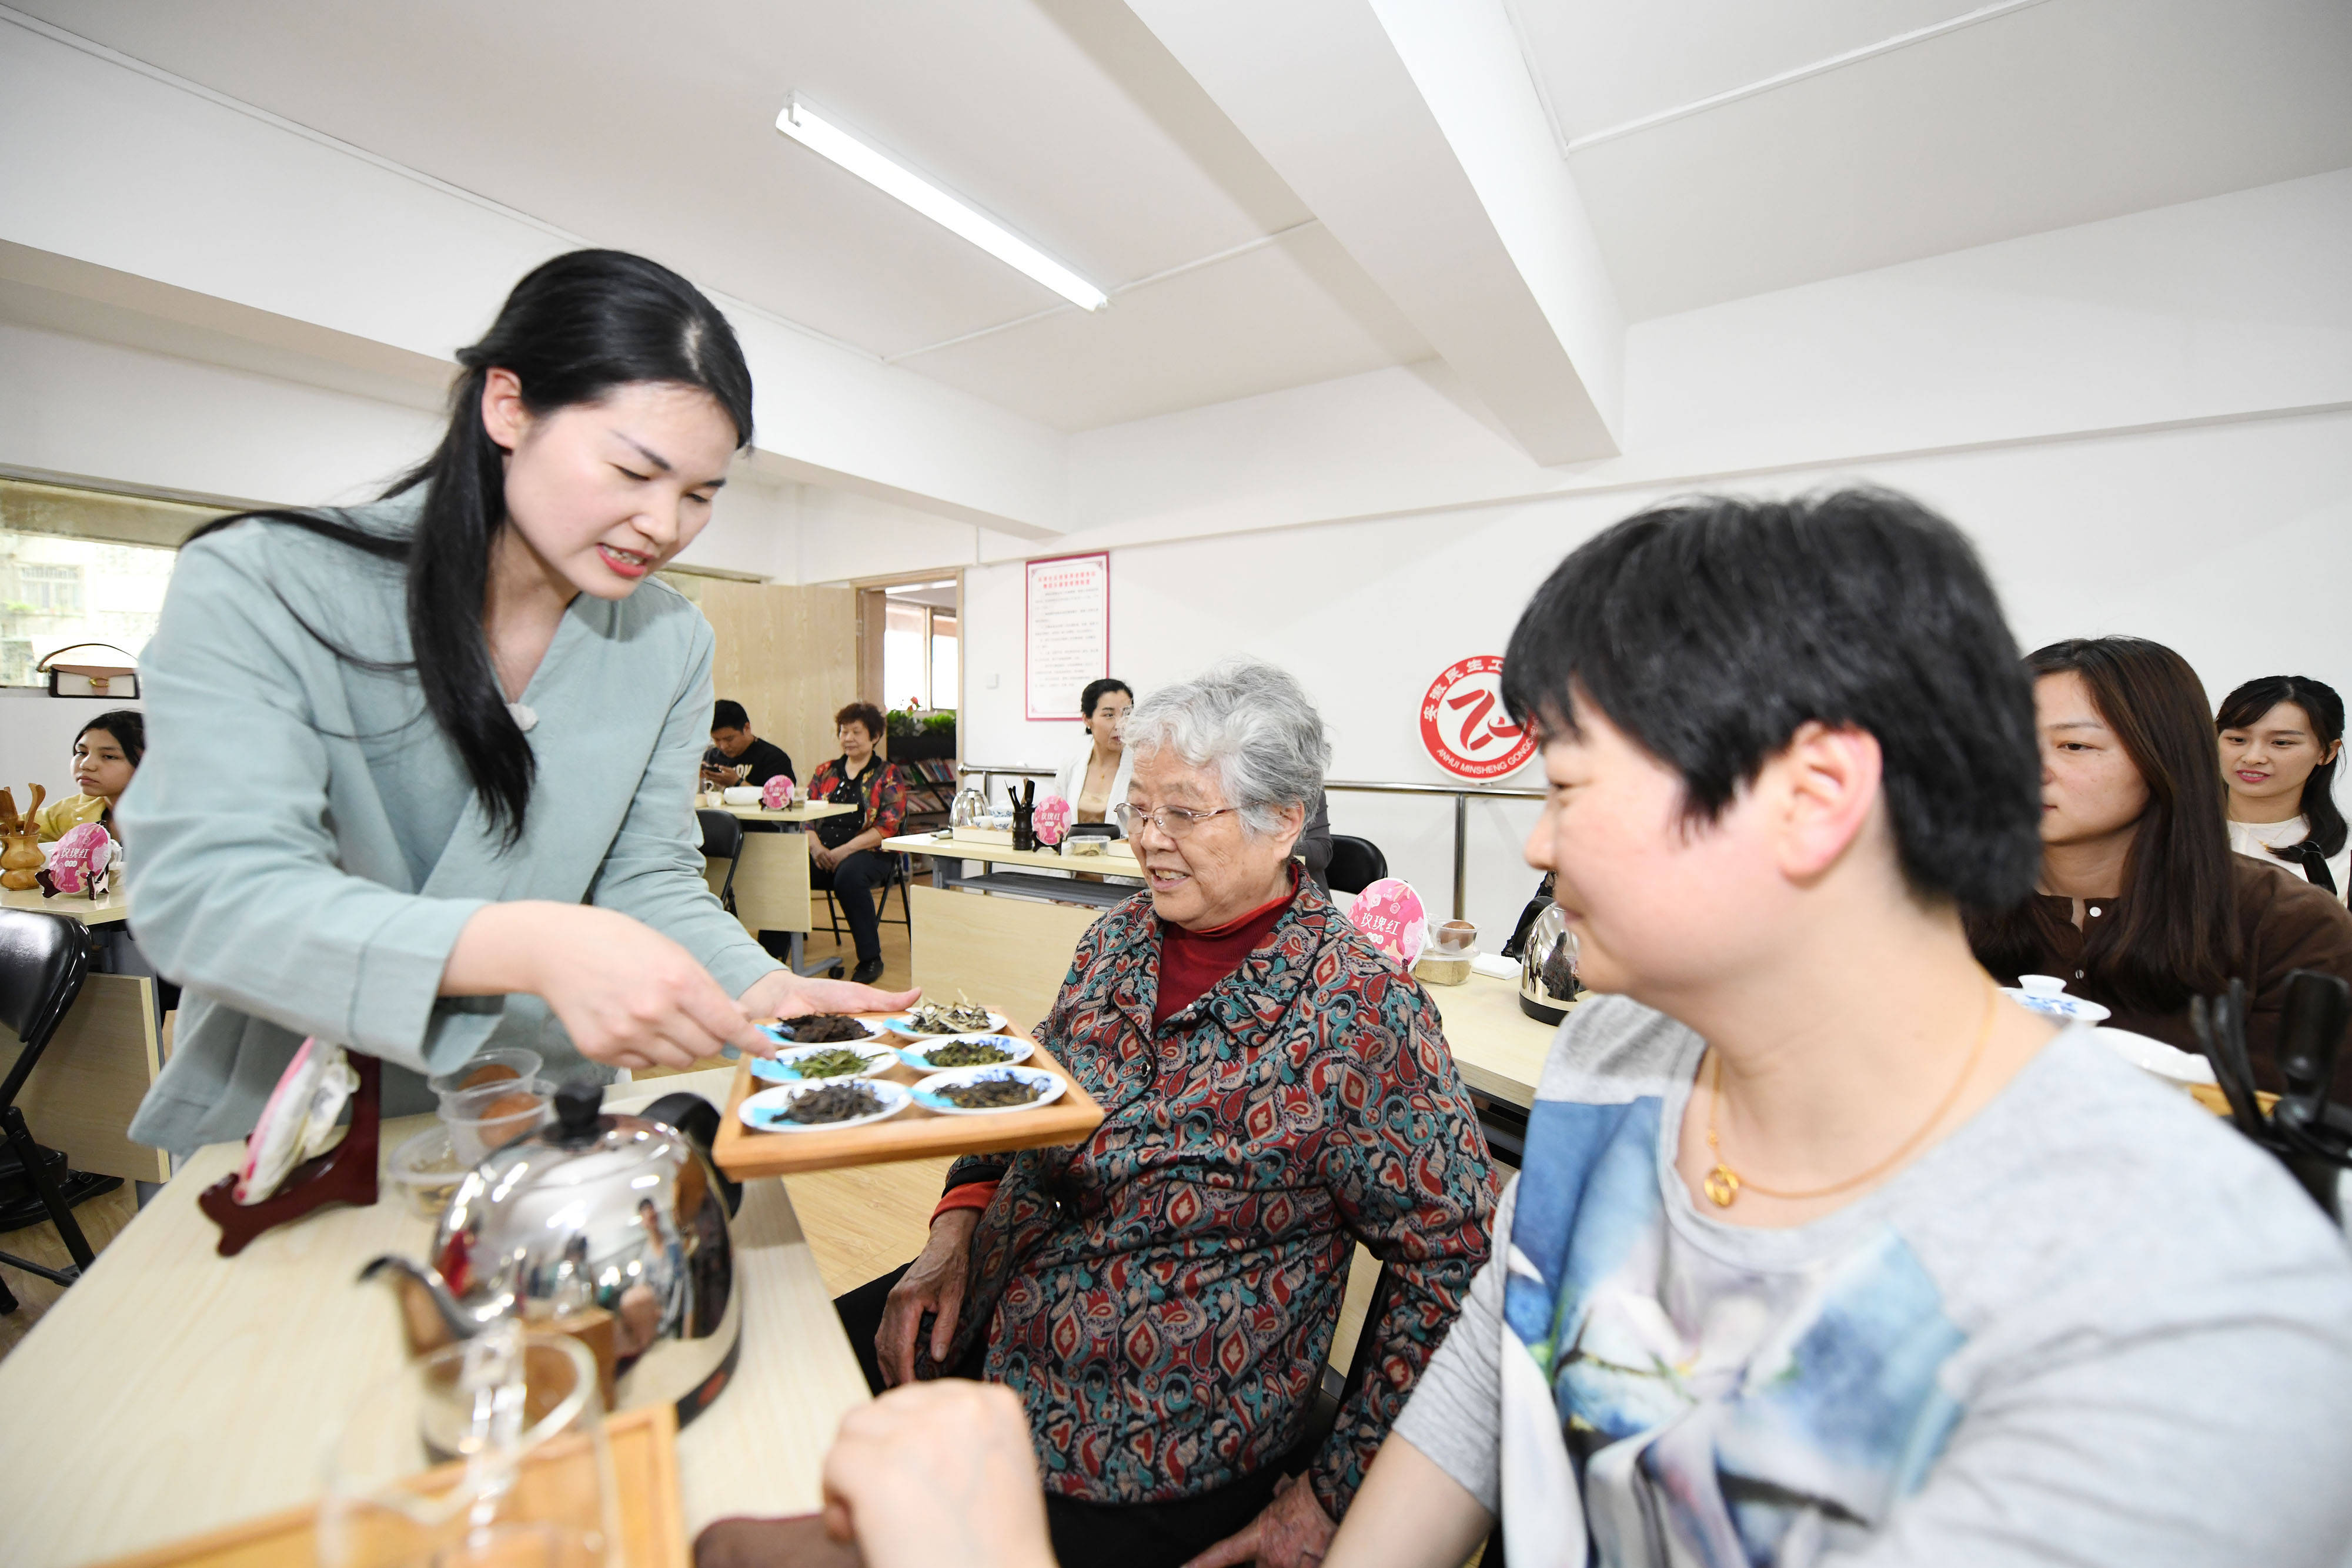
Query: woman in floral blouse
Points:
[1164, 1297]
[855, 868]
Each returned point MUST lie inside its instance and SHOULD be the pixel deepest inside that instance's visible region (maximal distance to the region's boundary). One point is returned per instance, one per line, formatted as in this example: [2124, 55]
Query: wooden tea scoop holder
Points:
[344, 1173]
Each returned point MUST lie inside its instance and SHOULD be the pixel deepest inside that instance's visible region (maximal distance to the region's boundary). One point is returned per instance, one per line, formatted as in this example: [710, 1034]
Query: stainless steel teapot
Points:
[613, 1228]
[1548, 981]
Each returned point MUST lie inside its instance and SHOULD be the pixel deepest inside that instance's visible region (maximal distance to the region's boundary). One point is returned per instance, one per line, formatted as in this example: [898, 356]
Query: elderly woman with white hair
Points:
[1162, 1298]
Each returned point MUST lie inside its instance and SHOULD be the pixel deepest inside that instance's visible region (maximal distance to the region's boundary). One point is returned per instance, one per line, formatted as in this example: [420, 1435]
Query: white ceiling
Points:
[652, 128]
[2041, 116]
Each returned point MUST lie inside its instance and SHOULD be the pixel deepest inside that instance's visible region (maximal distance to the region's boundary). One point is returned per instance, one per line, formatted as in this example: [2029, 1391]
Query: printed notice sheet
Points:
[1068, 632]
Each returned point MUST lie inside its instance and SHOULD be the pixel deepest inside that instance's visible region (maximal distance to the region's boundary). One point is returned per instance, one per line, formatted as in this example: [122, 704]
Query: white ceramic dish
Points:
[782, 1068]
[762, 1112]
[2046, 994]
[927, 1093]
[919, 1056]
[776, 1032]
[896, 1024]
[2153, 1057]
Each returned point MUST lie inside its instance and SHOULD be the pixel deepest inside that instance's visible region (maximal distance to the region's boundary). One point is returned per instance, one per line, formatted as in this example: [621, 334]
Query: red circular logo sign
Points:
[1462, 724]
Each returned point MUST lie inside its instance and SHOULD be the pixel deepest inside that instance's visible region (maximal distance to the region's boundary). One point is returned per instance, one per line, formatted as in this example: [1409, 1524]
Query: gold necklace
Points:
[1723, 1185]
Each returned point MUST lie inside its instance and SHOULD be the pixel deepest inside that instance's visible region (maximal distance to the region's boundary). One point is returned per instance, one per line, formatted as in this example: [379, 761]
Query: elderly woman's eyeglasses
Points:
[1175, 821]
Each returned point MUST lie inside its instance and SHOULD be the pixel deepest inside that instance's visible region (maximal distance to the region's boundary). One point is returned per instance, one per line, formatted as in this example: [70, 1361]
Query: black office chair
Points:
[1356, 863]
[42, 961]
[722, 840]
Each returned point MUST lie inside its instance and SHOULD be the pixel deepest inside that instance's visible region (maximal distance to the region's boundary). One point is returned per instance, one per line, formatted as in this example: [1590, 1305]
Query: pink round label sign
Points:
[1462, 724]
[1391, 914]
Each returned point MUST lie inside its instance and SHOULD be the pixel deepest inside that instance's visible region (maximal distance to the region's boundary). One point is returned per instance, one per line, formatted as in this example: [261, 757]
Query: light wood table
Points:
[114, 906]
[1497, 1049]
[98, 1065]
[173, 1391]
[772, 879]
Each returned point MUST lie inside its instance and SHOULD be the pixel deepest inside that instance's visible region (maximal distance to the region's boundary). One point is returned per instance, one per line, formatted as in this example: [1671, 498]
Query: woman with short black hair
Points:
[2139, 904]
[421, 773]
[843, 852]
[2280, 739]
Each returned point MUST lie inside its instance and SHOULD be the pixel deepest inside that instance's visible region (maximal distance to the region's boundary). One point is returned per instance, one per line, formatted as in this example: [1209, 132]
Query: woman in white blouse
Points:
[1094, 779]
[2280, 738]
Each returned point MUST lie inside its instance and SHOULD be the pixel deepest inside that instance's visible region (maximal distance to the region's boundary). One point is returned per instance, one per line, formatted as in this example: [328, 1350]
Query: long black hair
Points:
[574, 329]
[2175, 931]
[2324, 710]
[128, 725]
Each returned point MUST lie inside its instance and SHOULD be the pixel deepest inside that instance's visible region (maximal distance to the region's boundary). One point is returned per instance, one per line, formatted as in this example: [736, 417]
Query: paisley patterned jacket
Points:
[1163, 1296]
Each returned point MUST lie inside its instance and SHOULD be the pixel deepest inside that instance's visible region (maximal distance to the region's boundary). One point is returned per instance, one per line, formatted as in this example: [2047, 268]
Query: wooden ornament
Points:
[21, 860]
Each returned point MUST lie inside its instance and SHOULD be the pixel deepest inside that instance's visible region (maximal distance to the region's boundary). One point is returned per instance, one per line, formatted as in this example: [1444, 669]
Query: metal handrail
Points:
[1463, 795]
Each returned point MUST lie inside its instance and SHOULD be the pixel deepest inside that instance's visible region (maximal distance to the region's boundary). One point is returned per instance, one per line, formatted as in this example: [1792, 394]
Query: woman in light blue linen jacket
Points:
[419, 776]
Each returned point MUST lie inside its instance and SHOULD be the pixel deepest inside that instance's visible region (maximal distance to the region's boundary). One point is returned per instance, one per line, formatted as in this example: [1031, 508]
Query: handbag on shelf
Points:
[118, 682]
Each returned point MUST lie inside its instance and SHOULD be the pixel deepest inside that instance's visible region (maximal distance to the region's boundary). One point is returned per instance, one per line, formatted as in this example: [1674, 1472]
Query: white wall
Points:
[36, 733]
[2231, 543]
[2231, 306]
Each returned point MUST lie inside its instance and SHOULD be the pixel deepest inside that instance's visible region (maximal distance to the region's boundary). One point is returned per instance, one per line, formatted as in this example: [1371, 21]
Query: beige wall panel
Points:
[93, 1075]
[1010, 954]
[790, 656]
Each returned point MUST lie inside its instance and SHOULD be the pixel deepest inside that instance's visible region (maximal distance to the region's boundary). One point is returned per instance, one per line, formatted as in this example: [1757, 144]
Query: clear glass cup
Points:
[492, 1115]
[489, 1453]
[512, 1061]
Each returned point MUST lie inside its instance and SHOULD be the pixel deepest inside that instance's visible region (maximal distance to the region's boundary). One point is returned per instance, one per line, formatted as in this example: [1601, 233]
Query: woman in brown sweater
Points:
[2141, 905]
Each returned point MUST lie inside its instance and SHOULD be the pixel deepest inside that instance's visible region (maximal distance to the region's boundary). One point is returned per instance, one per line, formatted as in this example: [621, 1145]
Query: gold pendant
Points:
[1721, 1185]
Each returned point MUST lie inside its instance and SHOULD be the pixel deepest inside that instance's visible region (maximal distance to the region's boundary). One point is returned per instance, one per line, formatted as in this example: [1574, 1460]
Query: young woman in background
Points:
[1095, 779]
[2140, 906]
[106, 753]
[2280, 738]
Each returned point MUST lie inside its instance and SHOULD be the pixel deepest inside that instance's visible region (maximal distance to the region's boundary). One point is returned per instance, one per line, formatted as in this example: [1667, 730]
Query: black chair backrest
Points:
[1356, 863]
[722, 834]
[43, 958]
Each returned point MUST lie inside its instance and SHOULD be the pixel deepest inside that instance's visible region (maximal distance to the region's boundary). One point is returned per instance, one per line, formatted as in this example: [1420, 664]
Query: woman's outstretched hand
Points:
[782, 994]
[933, 1283]
[627, 994]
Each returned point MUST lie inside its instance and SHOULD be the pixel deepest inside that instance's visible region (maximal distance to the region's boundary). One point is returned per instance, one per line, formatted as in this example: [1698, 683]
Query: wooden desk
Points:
[1497, 1049]
[173, 1391]
[115, 906]
[772, 880]
[98, 1066]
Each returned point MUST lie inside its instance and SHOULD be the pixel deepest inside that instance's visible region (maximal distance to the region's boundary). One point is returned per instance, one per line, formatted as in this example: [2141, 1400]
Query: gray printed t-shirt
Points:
[2093, 1325]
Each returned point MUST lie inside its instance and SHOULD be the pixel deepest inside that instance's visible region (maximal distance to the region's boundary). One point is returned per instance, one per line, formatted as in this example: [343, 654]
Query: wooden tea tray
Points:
[643, 1445]
[914, 1134]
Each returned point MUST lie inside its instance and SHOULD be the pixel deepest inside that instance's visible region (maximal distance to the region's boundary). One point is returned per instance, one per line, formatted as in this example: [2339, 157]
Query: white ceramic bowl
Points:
[762, 1113]
[916, 1053]
[2178, 1068]
[783, 1067]
[927, 1093]
[896, 1024]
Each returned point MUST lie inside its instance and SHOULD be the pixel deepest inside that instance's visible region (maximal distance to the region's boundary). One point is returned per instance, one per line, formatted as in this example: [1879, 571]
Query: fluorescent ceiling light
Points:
[822, 137]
